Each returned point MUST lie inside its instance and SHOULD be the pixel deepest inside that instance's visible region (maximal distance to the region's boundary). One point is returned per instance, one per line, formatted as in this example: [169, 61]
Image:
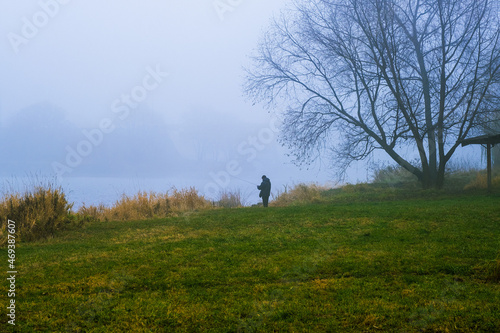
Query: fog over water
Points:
[116, 96]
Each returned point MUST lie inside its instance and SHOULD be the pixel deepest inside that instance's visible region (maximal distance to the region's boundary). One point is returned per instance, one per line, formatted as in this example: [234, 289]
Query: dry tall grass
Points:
[299, 194]
[229, 199]
[146, 205]
[38, 213]
[481, 182]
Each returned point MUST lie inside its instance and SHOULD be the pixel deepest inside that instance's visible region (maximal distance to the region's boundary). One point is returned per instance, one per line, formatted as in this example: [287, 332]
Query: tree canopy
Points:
[404, 76]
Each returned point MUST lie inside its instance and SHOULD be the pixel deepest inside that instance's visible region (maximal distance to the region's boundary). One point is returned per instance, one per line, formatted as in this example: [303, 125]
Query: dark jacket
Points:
[265, 188]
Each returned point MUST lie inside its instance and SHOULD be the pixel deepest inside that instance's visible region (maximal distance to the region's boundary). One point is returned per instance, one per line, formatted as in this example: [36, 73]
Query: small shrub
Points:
[187, 200]
[481, 182]
[301, 193]
[91, 213]
[229, 199]
[393, 176]
[457, 179]
[38, 213]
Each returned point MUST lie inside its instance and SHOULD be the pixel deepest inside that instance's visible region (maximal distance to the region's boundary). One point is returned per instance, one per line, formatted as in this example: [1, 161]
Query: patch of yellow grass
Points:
[320, 284]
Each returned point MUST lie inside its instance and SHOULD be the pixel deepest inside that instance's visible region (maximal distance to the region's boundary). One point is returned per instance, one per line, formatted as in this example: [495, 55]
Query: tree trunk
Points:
[440, 176]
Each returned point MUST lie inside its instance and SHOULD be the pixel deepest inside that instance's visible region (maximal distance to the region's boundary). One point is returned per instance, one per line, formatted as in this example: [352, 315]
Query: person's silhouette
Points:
[265, 190]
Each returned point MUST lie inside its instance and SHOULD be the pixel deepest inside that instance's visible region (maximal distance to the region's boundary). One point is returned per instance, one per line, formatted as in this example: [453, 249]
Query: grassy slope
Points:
[402, 266]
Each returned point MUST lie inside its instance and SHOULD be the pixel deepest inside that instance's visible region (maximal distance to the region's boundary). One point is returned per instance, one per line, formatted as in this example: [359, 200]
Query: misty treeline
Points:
[410, 77]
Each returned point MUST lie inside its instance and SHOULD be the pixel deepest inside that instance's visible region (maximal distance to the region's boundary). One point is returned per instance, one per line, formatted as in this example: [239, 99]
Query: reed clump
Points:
[38, 213]
[481, 182]
[229, 199]
[299, 194]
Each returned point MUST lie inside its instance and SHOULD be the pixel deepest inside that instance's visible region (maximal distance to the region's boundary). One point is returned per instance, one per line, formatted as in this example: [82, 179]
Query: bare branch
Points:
[361, 75]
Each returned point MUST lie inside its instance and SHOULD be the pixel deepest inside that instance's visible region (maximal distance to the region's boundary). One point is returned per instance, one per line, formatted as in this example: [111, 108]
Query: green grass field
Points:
[417, 265]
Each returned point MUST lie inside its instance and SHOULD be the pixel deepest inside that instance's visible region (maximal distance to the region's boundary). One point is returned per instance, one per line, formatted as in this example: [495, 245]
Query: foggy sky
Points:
[137, 89]
[150, 88]
[91, 52]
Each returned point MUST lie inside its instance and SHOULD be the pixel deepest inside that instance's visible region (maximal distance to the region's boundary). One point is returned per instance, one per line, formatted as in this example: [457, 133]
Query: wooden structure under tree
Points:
[489, 140]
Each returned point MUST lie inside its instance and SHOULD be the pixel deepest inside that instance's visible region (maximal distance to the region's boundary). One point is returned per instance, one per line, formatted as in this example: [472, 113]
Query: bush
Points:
[457, 179]
[393, 175]
[38, 213]
[91, 213]
[187, 200]
[229, 200]
[481, 182]
[301, 193]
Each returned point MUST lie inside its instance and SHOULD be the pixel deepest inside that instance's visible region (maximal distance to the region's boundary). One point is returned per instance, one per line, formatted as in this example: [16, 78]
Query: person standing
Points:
[265, 190]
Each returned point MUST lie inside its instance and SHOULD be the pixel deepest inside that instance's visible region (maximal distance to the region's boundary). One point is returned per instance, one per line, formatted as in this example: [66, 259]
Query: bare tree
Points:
[406, 76]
